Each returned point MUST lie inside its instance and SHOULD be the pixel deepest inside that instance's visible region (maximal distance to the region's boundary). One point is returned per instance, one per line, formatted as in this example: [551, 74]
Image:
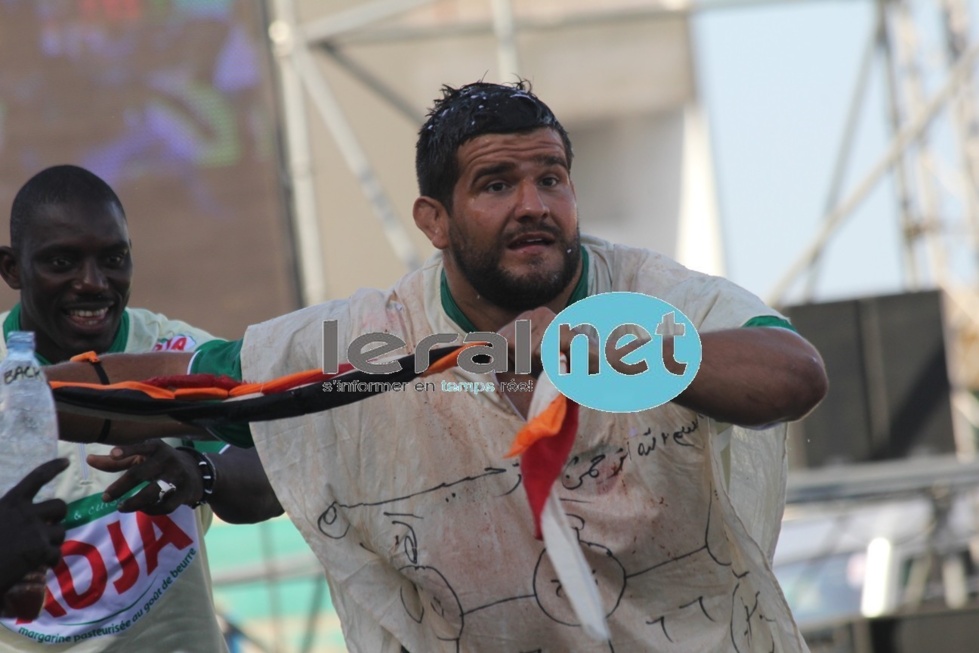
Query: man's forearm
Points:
[756, 376]
[749, 376]
[81, 428]
[119, 367]
[242, 492]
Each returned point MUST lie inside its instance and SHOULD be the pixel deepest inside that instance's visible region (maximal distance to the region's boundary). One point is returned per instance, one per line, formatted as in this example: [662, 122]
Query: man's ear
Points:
[9, 269]
[433, 220]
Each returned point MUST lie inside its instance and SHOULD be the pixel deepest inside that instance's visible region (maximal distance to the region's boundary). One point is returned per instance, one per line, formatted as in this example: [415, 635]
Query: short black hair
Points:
[464, 113]
[61, 184]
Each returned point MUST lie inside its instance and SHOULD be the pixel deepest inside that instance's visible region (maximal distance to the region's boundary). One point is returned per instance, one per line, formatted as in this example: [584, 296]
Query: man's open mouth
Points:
[531, 240]
[87, 317]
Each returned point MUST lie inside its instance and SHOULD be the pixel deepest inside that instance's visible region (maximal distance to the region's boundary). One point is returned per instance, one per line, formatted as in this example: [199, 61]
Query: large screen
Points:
[172, 102]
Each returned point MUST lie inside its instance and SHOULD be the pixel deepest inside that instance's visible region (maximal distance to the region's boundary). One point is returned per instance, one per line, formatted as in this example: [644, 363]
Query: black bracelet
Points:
[92, 358]
[100, 371]
[208, 474]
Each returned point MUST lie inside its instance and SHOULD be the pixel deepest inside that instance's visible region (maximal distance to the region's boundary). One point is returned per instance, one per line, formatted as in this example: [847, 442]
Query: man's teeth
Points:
[101, 312]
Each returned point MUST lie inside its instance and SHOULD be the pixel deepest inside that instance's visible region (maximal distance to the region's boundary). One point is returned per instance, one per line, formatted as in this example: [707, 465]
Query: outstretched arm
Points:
[750, 376]
[120, 367]
[755, 376]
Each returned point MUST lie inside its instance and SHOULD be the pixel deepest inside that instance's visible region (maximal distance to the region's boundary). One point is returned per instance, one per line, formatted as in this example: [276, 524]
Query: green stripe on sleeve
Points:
[223, 358]
[769, 321]
[219, 357]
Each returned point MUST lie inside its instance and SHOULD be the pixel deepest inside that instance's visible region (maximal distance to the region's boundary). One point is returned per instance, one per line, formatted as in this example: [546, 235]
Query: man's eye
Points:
[115, 260]
[60, 263]
[496, 187]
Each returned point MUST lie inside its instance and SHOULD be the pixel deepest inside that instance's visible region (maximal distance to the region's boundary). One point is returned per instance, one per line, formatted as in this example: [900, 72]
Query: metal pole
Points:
[956, 15]
[301, 181]
[930, 224]
[353, 154]
[371, 81]
[275, 604]
[319, 590]
[506, 41]
[365, 13]
[904, 199]
[841, 165]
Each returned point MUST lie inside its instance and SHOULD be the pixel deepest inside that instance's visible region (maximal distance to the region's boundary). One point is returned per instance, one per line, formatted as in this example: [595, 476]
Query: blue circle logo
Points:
[627, 329]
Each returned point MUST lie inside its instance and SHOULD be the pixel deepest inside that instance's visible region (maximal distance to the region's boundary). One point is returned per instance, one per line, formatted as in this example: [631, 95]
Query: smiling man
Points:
[71, 308]
[407, 498]
[70, 259]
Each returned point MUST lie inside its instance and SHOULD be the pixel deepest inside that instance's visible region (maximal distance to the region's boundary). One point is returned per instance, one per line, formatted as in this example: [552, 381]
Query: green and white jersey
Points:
[126, 582]
[422, 526]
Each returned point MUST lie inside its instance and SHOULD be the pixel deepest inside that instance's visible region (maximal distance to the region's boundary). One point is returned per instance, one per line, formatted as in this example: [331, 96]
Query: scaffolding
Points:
[930, 160]
[926, 56]
[931, 165]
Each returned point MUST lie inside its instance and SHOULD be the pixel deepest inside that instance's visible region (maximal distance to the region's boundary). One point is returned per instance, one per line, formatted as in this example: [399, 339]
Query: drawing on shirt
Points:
[434, 602]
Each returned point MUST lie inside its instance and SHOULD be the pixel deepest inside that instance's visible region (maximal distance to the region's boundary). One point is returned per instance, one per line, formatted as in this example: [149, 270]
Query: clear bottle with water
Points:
[28, 437]
[28, 419]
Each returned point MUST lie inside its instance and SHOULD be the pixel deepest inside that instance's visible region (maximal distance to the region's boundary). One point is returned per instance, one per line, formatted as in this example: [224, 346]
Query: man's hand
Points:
[33, 532]
[152, 461]
[539, 319]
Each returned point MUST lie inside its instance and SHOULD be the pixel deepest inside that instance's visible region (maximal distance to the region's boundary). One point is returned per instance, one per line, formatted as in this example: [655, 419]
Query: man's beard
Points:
[483, 271]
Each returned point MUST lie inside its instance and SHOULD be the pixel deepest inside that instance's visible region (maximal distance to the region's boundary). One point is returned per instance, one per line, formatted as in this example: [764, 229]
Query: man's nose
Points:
[91, 278]
[530, 203]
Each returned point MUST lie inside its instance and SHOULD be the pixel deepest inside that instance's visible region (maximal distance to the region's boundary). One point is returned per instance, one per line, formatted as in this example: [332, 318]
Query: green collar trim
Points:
[118, 345]
[12, 323]
[456, 315]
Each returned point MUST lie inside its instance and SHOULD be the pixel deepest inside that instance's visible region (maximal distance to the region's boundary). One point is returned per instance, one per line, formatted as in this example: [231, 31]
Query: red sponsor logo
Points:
[176, 343]
[156, 533]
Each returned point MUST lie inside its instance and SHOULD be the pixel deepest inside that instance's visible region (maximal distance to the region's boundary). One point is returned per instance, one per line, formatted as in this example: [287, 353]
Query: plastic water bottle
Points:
[28, 437]
[29, 422]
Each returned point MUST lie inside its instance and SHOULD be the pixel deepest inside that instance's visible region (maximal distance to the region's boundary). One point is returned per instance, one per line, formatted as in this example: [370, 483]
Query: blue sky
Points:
[777, 80]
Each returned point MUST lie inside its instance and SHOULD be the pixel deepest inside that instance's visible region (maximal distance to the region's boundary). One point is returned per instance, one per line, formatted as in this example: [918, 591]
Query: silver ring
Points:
[166, 489]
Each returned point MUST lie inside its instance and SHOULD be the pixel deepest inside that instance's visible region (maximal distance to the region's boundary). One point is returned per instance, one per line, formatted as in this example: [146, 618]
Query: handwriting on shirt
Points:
[665, 437]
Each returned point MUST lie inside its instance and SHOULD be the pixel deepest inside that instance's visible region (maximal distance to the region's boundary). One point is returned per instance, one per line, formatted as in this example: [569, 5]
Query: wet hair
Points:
[62, 184]
[462, 114]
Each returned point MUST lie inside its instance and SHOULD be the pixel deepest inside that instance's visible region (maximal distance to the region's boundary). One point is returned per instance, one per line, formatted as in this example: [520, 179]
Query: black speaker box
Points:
[889, 395]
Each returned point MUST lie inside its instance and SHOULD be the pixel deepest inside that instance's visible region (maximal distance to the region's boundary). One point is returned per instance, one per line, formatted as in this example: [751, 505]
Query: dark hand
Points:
[151, 461]
[539, 319]
[33, 532]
